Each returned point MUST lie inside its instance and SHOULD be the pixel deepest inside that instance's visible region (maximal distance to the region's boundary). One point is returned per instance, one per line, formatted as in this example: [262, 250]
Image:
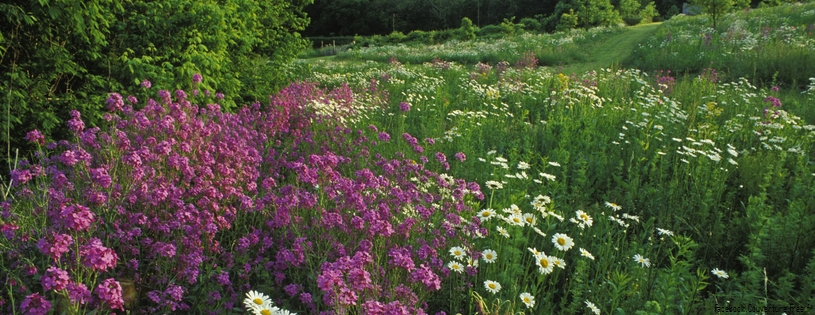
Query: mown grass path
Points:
[615, 49]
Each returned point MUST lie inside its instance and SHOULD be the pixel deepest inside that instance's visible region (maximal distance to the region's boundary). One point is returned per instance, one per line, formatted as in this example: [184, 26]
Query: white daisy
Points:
[458, 252]
[503, 231]
[720, 273]
[593, 307]
[664, 232]
[455, 266]
[584, 217]
[486, 214]
[613, 205]
[642, 260]
[491, 184]
[267, 310]
[489, 255]
[255, 299]
[548, 176]
[545, 265]
[586, 254]
[556, 164]
[492, 286]
[559, 262]
[528, 299]
[537, 230]
[516, 219]
[530, 219]
[562, 241]
[523, 165]
[631, 217]
[534, 251]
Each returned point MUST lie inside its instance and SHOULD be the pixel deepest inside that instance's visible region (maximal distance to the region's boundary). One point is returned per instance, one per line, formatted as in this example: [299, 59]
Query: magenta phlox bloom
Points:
[35, 304]
[109, 292]
[55, 279]
[96, 256]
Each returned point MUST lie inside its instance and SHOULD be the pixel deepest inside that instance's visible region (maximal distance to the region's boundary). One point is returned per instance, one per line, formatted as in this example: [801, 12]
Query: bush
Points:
[396, 37]
[568, 21]
[419, 36]
[530, 24]
[467, 30]
[490, 30]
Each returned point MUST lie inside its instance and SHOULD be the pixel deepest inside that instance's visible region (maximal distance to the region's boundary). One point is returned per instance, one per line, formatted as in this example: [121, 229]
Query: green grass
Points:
[612, 51]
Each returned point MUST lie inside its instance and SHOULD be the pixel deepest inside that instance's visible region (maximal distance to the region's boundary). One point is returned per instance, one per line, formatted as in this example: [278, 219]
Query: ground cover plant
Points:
[432, 188]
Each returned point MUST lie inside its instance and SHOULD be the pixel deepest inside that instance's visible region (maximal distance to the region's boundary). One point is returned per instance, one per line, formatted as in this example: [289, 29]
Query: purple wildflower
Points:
[78, 293]
[461, 157]
[774, 101]
[96, 256]
[56, 247]
[109, 292]
[35, 136]
[404, 106]
[56, 279]
[197, 78]
[146, 84]
[384, 136]
[77, 217]
[426, 276]
[35, 304]
[115, 102]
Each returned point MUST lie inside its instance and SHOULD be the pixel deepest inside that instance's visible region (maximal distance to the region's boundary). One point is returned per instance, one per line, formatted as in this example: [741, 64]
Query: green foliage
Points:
[714, 8]
[593, 13]
[467, 30]
[418, 36]
[396, 37]
[490, 30]
[508, 27]
[630, 11]
[649, 12]
[568, 21]
[531, 24]
[60, 55]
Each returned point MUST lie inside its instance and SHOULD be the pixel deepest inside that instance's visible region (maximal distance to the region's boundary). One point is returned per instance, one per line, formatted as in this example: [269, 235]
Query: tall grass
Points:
[768, 46]
[550, 49]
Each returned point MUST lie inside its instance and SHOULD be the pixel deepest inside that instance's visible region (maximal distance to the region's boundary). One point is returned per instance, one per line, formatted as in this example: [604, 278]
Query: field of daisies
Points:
[436, 188]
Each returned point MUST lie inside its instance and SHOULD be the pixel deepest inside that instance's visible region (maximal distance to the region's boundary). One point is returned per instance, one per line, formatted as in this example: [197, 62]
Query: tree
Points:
[714, 7]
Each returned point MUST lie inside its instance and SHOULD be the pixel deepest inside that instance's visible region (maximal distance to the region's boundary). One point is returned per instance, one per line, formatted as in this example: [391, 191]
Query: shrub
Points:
[467, 30]
[490, 30]
[530, 24]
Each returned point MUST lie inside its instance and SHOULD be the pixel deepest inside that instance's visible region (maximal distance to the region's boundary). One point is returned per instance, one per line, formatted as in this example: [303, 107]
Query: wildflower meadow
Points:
[374, 186]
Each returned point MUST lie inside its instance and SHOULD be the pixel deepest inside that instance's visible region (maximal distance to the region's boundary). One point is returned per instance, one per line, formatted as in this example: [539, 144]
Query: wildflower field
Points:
[441, 187]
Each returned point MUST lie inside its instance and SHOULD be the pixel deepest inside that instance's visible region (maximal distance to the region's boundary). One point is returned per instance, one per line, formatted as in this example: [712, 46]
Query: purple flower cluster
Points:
[189, 174]
[527, 61]
[664, 81]
[109, 292]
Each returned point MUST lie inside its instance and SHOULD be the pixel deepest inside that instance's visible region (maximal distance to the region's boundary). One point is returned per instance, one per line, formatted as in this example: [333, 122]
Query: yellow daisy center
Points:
[257, 301]
[561, 241]
[544, 262]
[527, 300]
[489, 256]
[485, 214]
[266, 312]
[457, 253]
[529, 219]
[584, 217]
[492, 285]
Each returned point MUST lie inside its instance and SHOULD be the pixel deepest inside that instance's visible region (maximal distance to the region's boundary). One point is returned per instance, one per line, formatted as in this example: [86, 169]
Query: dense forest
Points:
[369, 17]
